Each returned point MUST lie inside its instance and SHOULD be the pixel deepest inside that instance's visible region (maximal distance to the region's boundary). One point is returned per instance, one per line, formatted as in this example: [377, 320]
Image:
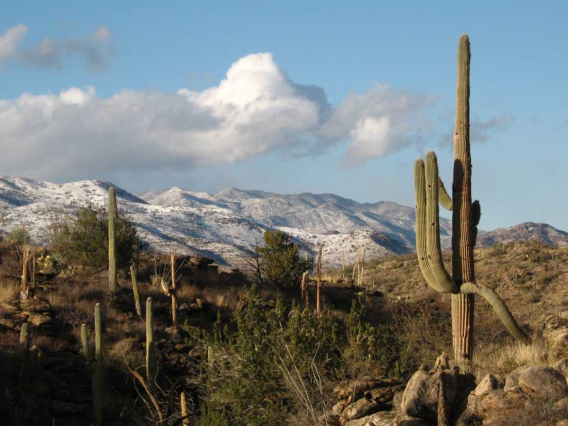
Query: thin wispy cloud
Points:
[94, 50]
[482, 130]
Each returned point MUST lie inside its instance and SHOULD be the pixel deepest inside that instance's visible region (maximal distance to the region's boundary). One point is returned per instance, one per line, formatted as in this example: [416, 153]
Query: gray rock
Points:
[38, 319]
[360, 408]
[420, 398]
[382, 418]
[512, 380]
[543, 383]
[489, 382]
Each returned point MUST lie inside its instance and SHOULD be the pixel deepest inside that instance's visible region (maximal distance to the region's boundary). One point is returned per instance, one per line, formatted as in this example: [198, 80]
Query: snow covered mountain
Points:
[225, 226]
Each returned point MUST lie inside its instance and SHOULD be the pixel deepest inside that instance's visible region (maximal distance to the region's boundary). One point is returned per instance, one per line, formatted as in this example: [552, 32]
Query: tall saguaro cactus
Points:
[112, 214]
[465, 216]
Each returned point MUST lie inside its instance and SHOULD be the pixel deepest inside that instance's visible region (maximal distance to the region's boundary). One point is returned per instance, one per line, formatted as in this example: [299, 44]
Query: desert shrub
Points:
[83, 238]
[280, 260]
[19, 236]
[269, 354]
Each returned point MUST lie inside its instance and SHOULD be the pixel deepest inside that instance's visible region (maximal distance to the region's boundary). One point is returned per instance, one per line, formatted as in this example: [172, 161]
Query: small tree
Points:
[83, 239]
[280, 260]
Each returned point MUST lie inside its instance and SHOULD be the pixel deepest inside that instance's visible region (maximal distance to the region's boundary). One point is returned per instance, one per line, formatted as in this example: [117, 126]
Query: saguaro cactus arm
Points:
[429, 250]
[445, 199]
[498, 306]
[427, 226]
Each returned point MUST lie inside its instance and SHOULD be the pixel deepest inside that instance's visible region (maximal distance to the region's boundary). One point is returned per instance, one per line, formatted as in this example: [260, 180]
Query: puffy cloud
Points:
[256, 109]
[378, 122]
[50, 53]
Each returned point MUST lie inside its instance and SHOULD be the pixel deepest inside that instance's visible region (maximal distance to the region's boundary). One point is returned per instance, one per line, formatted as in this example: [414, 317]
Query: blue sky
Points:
[335, 97]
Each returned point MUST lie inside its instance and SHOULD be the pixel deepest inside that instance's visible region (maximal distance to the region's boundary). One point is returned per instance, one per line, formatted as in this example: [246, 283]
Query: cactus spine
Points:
[112, 214]
[98, 369]
[465, 216]
[135, 291]
[151, 362]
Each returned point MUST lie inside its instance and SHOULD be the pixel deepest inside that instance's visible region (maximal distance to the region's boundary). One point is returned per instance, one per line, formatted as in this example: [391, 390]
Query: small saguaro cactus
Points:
[465, 217]
[173, 289]
[98, 369]
[151, 360]
[112, 215]
[305, 288]
[135, 291]
[319, 281]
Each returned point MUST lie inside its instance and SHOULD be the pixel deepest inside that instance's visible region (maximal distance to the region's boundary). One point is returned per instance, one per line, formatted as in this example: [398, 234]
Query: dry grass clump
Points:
[8, 291]
[501, 359]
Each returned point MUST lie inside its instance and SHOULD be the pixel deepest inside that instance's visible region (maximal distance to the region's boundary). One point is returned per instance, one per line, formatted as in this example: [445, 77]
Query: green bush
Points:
[19, 236]
[266, 350]
[280, 260]
[83, 238]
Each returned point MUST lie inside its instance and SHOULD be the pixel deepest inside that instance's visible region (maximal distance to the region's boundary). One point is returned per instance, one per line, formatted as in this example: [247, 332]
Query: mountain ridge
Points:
[226, 226]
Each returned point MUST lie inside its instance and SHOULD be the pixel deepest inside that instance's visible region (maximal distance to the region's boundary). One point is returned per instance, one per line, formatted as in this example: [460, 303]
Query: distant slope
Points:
[524, 232]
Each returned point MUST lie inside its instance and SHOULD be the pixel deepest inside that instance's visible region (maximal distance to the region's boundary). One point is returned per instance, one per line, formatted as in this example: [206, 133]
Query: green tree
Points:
[83, 238]
[280, 260]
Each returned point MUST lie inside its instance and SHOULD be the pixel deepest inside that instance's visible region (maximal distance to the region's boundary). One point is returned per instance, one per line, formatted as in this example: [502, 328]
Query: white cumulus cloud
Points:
[256, 109]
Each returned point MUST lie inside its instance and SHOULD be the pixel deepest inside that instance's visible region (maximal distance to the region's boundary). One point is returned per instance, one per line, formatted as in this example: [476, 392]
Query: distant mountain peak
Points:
[227, 226]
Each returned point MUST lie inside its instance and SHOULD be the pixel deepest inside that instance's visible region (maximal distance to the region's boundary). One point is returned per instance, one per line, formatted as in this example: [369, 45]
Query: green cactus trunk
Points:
[112, 215]
[151, 361]
[98, 370]
[85, 343]
[462, 246]
[135, 291]
[430, 192]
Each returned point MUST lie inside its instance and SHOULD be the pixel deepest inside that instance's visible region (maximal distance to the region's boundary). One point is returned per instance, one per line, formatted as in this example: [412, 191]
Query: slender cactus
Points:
[85, 343]
[112, 215]
[98, 369]
[135, 291]
[319, 282]
[430, 192]
[304, 286]
[151, 361]
[173, 289]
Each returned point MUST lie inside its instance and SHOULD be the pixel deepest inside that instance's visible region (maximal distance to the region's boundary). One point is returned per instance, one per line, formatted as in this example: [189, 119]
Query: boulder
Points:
[489, 382]
[38, 319]
[556, 330]
[512, 380]
[382, 418]
[420, 398]
[543, 383]
[360, 408]
[497, 407]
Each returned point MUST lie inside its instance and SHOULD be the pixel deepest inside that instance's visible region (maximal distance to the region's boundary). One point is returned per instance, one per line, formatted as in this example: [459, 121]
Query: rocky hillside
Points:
[524, 232]
[224, 227]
